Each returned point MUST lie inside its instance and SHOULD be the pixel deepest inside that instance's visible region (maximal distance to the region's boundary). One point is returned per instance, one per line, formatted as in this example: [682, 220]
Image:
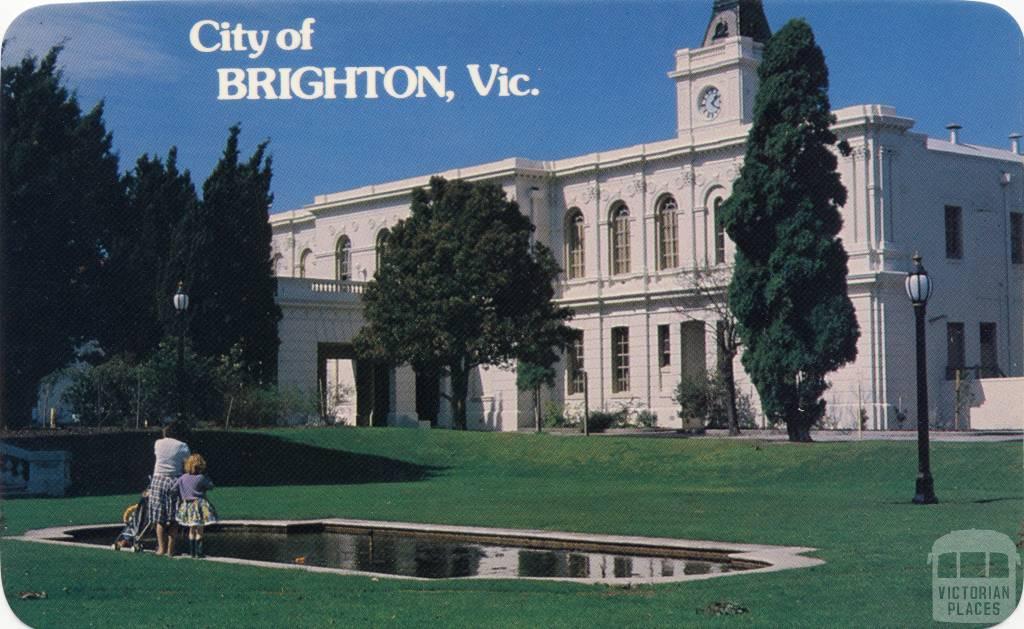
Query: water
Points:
[411, 555]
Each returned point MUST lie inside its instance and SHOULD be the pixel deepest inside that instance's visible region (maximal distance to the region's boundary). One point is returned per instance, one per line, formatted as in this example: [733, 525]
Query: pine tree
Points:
[59, 190]
[788, 290]
[461, 285]
[222, 254]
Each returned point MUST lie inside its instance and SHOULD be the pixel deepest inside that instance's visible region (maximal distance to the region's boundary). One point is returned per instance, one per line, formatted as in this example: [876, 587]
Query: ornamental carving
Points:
[685, 178]
[590, 194]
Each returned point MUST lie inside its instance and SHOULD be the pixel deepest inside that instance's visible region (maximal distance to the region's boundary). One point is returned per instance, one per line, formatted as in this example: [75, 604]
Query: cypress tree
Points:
[222, 254]
[788, 289]
[59, 187]
[158, 198]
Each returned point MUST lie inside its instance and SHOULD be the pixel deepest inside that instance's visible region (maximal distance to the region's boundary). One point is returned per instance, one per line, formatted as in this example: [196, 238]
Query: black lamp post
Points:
[919, 288]
[586, 403]
[180, 306]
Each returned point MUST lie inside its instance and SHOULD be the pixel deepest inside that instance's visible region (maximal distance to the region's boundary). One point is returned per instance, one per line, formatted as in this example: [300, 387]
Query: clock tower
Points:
[716, 83]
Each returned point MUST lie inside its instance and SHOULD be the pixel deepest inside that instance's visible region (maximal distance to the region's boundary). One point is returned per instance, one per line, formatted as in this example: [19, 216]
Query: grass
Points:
[849, 500]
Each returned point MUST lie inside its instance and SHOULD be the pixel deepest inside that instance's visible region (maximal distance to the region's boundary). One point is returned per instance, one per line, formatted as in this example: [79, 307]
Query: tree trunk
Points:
[460, 390]
[725, 371]
[536, 408]
[798, 425]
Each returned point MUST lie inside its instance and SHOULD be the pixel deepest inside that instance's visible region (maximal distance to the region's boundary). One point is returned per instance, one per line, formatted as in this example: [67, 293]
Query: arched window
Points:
[574, 244]
[668, 237]
[619, 240]
[304, 262]
[382, 241]
[719, 231]
[343, 259]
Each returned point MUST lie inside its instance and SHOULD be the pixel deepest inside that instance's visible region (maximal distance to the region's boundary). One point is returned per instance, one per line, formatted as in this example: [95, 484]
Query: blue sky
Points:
[600, 68]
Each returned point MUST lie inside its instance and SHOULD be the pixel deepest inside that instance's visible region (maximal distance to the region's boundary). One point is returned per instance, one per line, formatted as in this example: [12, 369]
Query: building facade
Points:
[635, 230]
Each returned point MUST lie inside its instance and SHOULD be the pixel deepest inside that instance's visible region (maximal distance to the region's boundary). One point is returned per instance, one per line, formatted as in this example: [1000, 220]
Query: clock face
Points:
[710, 102]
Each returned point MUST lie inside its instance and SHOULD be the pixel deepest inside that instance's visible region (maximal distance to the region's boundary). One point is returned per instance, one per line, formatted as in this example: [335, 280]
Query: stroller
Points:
[136, 525]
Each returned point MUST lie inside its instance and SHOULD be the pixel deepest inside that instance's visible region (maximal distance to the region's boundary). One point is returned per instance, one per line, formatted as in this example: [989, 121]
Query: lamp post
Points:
[919, 288]
[586, 403]
[180, 301]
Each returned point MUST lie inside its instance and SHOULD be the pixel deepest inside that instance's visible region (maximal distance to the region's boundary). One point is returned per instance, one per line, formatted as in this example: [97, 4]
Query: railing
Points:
[31, 472]
[304, 288]
[337, 286]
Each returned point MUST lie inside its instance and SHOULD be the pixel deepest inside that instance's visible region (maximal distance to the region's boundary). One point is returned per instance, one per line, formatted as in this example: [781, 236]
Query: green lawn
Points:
[850, 500]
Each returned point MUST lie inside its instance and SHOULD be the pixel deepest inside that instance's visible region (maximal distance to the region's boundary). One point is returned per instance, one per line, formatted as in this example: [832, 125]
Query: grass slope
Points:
[850, 500]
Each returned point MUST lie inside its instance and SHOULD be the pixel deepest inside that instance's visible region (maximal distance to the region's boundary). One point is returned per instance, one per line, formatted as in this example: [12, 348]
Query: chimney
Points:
[1015, 143]
[954, 132]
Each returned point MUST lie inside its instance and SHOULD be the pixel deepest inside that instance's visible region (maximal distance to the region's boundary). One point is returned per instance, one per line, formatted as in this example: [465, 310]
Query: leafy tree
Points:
[461, 285]
[158, 198]
[222, 253]
[59, 188]
[788, 290]
[531, 377]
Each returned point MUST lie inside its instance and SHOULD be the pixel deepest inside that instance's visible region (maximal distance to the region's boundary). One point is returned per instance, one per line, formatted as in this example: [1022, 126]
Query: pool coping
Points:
[776, 557]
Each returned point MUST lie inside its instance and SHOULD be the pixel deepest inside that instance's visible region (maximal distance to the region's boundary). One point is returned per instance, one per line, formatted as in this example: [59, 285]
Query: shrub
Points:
[603, 420]
[105, 394]
[646, 418]
[705, 399]
[553, 415]
[693, 396]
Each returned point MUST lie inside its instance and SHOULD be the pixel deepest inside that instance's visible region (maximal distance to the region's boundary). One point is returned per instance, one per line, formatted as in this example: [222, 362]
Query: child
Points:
[194, 510]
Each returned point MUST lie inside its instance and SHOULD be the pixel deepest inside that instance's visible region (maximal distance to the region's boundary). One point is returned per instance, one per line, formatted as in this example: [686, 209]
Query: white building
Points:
[630, 226]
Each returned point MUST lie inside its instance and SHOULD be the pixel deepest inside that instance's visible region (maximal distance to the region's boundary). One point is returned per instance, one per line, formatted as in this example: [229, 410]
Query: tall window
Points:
[1016, 238]
[575, 365]
[343, 259]
[304, 262]
[620, 360]
[955, 355]
[954, 233]
[719, 231]
[989, 353]
[666, 224]
[664, 346]
[620, 240]
[574, 244]
[275, 264]
[382, 241]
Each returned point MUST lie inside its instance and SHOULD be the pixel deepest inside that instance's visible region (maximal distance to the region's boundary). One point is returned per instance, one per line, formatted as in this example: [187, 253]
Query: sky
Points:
[599, 69]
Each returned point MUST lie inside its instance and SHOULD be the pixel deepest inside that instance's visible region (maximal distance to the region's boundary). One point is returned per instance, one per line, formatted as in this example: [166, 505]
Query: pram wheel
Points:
[136, 548]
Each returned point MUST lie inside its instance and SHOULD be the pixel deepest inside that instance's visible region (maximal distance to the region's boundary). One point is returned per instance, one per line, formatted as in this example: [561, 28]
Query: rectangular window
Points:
[719, 233]
[955, 354]
[954, 233]
[1017, 237]
[575, 366]
[664, 346]
[620, 360]
[989, 353]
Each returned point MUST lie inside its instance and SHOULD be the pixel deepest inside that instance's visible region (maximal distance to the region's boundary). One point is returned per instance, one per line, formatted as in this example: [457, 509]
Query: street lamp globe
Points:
[918, 284]
[180, 298]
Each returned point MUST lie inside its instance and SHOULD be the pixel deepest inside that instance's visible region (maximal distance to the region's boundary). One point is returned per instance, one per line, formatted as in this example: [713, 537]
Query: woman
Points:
[171, 452]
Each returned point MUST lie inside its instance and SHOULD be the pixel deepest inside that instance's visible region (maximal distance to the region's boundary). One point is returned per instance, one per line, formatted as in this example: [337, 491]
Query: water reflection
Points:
[388, 553]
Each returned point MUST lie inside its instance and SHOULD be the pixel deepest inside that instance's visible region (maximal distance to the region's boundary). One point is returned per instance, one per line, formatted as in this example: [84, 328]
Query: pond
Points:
[430, 551]
[433, 557]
